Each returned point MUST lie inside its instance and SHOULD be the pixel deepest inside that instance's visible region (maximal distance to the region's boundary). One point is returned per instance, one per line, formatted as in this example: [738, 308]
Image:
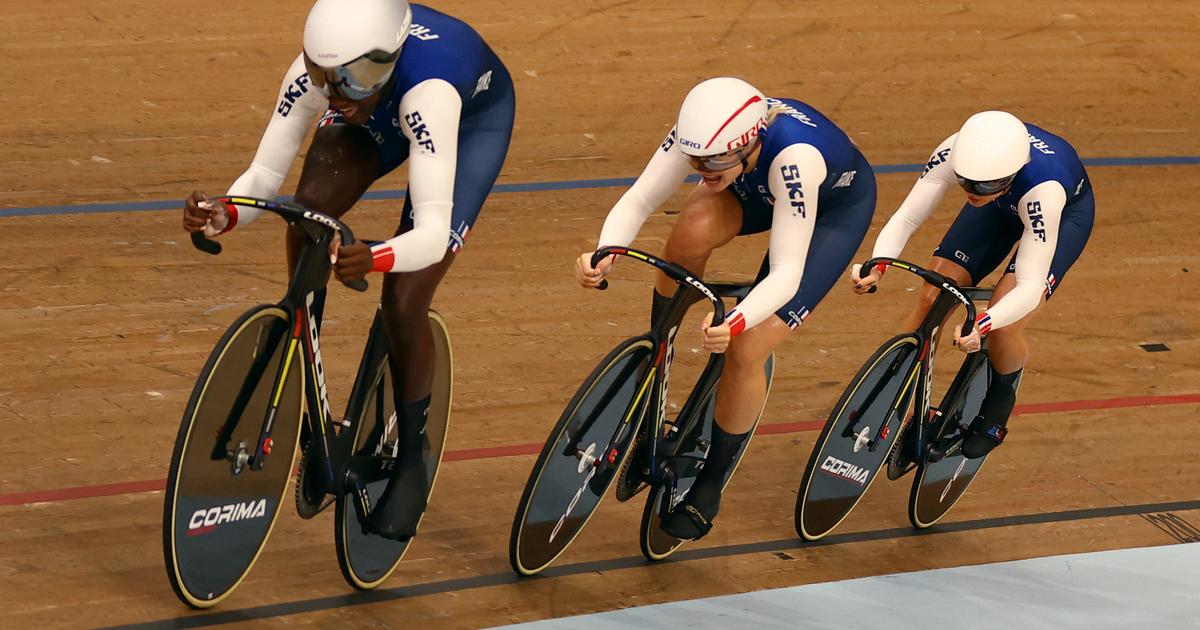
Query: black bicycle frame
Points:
[662, 336]
[950, 296]
[310, 276]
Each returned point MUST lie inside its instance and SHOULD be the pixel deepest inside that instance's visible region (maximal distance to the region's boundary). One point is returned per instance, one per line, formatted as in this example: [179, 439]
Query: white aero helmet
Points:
[720, 116]
[989, 150]
[351, 46]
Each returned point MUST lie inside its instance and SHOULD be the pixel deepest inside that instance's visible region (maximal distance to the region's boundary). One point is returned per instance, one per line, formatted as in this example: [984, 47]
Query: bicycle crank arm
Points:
[360, 498]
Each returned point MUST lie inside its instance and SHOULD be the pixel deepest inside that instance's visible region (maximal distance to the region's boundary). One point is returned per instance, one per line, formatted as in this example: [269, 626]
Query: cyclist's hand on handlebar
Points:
[587, 276]
[350, 262]
[863, 284]
[971, 342]
[201, 214]
[714, 338]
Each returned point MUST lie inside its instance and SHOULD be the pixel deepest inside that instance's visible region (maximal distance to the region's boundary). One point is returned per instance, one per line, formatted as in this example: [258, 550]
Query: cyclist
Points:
[389, 82]
[765, 164]
[1024, 186]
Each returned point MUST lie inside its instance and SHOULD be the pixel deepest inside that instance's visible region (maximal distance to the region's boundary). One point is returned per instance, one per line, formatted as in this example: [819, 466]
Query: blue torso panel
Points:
[1051, 158]
[443, 47]
[800, 123]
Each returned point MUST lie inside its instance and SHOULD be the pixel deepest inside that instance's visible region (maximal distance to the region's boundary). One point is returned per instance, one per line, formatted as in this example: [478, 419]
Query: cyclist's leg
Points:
[342, 162]
[1008, 349]
[976, 243]
[839, 231]
[483, 144]
[707, 221]
[1007, 352]
[928, 294]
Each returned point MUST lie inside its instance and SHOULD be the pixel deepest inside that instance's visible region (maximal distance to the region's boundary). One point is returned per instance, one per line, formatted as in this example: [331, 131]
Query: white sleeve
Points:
[659, 180]
[299, 105]
[1041, 212]
[937, 178]
[794, 180]
[429, 116]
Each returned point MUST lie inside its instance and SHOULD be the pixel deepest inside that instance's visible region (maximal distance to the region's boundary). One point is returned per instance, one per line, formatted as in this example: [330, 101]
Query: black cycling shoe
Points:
[399, 509]
[693, 518]
[983, 437]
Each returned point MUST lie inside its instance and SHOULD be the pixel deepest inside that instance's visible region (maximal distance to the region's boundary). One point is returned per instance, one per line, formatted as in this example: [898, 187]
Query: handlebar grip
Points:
[969, 322]
[346, 235]
[359, 285]
[596, 258]
[867, 267]
[205, 245]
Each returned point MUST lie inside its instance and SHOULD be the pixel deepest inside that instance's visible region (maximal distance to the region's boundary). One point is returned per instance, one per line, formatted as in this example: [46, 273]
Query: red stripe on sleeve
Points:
[737, 323]
[233, 217]
[382, 258]
[984, 321]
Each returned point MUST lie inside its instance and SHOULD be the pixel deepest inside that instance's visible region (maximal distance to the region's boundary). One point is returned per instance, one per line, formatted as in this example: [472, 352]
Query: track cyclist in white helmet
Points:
[1026, 187]
[766, 164]
[389, 83]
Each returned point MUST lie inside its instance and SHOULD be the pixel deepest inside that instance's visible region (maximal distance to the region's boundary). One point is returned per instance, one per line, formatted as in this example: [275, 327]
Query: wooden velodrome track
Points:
[107, 316]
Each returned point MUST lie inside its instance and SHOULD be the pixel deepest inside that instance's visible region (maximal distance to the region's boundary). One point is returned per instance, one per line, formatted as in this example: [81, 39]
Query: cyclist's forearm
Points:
[418, 248]
[298, 105]
[658, 181]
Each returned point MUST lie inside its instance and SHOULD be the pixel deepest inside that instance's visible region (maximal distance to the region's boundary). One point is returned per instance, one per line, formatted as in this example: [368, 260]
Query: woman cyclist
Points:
[765, 164]
[1024, 186]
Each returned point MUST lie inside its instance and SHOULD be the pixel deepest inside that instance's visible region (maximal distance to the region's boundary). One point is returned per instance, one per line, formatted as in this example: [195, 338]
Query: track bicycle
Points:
[872, 424]
[603, 436]
[262, 394]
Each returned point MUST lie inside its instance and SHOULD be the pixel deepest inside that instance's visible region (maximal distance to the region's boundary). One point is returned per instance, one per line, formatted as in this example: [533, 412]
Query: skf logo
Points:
[845, 470]
[419, 131]
[422, 33]
[668, 142]
[937, 158]
[1034, 210]
[298, 88]
[206, 520]
[791, 178]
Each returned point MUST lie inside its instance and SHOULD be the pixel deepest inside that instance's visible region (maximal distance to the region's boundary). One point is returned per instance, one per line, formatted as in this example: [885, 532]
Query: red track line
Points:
[82, 492]
[133, 487]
